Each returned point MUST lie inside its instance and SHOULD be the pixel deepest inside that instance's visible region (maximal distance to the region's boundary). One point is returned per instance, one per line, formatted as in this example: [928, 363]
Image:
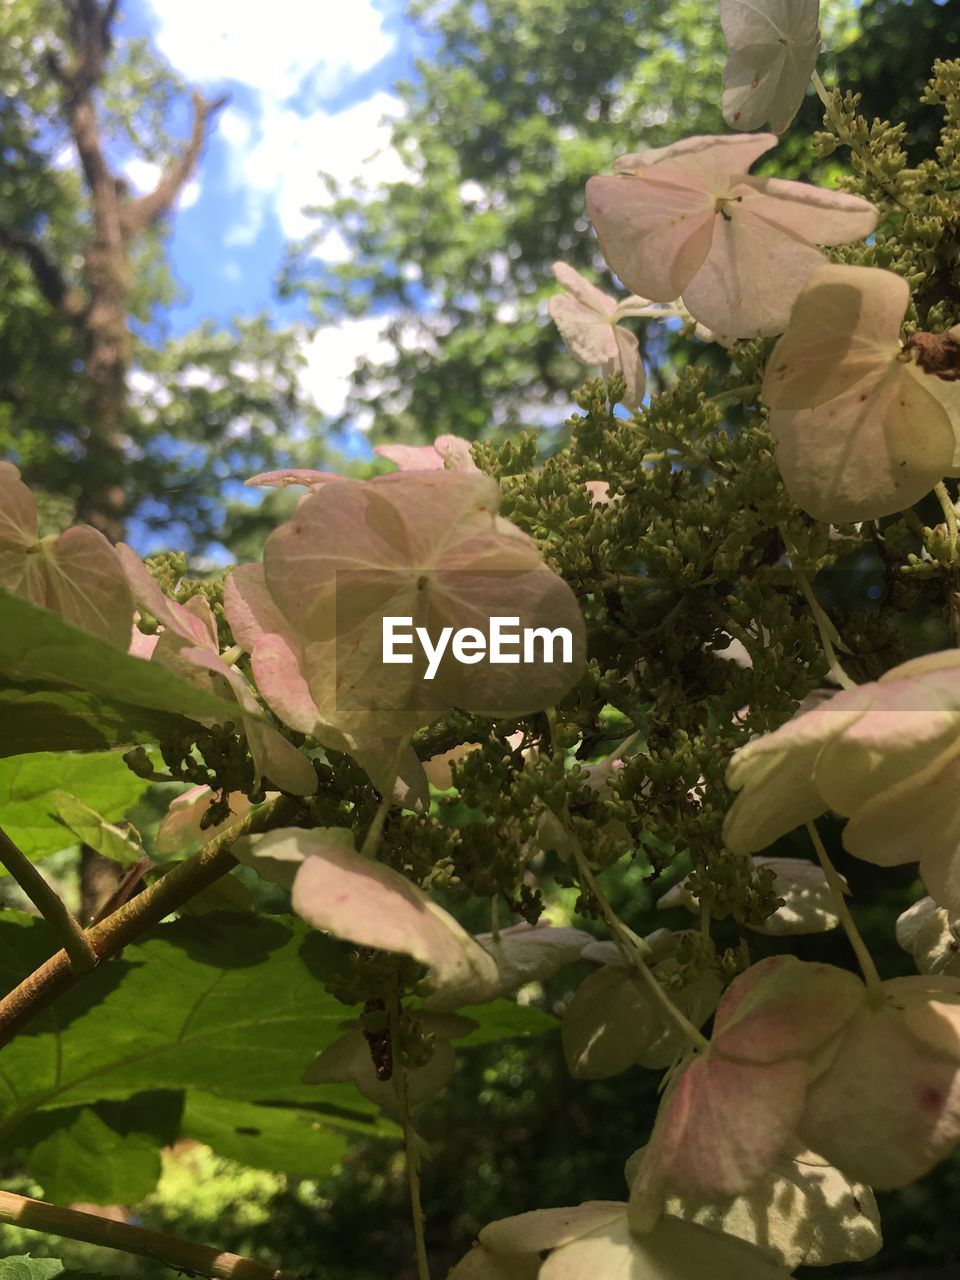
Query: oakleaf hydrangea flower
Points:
[885, 755]
[932, 936]
[335, 888]
[730, 1114]
[886, 1108]
[774, 46]
[424, 545]
[688, 220]
[76, 574]
[188, 645]
[862, 431]
[597, 1239]
[804, 1211]
[589, 323]
[447, 453]
[808, 904]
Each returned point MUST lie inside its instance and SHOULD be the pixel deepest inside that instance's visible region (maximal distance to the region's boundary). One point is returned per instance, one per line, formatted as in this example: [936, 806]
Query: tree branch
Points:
[82, 956]
[47, 274]
[42, 987]
[180, 1255]
[135, 215]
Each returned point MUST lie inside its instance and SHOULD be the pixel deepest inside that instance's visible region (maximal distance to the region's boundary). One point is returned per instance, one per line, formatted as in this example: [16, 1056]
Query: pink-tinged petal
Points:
[373, 906]
[180, 828]
[587, 333]
[783, 1008]
[751, 277]
[774, 49]
[455, 452]
[18, 511]
[722, 1125]
[599, 491]
[876, 449]
[708, 159]
[194, 627]
[85, 584]
[292, 476]
[482, 1264]
[844, 329]
[910, 722]
[815, 214]
[630, 365]
[887, 1108]
[670, 1250]
[280, 681]
[550, 1228]
[141, 646]
[917, 819]
[250, 608]
[582, 291]
[775, 774]
[654, 234]
[287, 768]
[931, 934]
[411, 457]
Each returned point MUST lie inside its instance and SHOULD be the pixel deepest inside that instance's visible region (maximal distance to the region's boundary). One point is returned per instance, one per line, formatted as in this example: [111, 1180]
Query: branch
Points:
[135, 215]
[180, 1255]
[38, 991]
[81, 954]
[47, 274]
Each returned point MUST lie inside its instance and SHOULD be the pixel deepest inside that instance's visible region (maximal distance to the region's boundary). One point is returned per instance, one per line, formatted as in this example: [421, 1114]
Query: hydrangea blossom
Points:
[76, 575]
[886, 1108]
[428, 545]
[447, 453]
[862, 431]
[730, 1114]
[884, 755]
[589, 323]
[597, 1239]
[188, 645]
[774, 46]
[932, 936]
[808, 903]
[688, 220]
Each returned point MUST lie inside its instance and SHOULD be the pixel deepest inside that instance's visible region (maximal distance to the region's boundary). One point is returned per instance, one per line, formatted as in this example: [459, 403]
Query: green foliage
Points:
[29, 810]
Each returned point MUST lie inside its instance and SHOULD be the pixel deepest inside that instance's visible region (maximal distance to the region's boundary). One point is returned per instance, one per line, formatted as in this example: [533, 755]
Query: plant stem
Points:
[864, 958]
[828, 632]
[371, 840]
[81, 954]
[42, 987]
[411, 1151]
[631, 952]
[179, 1255]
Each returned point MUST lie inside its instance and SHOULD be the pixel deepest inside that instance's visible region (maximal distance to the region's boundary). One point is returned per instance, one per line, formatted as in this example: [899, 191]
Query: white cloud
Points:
[332, 354]
[144, 175]
[279, 170]
[275, 48]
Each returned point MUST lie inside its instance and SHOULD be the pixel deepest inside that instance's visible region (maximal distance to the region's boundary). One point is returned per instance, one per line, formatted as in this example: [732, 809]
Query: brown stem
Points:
[81, 955]
[180, 1255]
[38, 991]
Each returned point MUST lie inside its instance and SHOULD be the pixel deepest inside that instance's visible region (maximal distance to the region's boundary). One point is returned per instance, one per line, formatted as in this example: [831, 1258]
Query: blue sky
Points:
[309, 86]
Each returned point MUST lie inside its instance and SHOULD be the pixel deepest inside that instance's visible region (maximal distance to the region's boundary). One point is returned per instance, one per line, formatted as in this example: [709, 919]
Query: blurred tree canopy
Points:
[97, 405]
[519, 103]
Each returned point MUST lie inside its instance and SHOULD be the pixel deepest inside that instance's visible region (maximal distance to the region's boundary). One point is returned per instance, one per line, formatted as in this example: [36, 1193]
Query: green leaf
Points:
[229, 1004]
[36, 645]
[36, 717]
[26, 1268]
[294, 1141]
[505, 1020]
[93, 830]
[26, 787]
[87, 1160]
